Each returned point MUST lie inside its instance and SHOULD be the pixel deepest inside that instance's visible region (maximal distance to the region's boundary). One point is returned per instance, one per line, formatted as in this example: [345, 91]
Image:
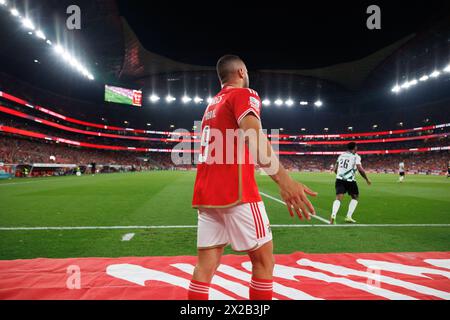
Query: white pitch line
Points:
[362, 226]
[94, 228]
[17, 183]
[194, 227]
[284, 203]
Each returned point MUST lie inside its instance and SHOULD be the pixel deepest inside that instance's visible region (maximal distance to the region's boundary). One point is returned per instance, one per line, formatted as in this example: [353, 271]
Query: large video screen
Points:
[123, 96]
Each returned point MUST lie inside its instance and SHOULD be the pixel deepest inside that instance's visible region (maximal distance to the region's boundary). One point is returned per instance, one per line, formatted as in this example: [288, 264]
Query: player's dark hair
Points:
[224, 66]
[351, 146]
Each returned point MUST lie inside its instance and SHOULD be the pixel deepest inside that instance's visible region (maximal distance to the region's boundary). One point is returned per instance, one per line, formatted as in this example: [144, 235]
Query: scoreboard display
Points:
[123, 96]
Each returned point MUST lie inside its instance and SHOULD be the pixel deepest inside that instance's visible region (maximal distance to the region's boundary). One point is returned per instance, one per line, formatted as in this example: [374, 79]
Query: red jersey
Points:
[222, 184]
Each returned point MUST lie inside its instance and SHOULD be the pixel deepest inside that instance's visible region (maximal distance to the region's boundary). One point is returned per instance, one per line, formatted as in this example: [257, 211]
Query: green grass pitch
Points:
[111, 96]
[163, 198]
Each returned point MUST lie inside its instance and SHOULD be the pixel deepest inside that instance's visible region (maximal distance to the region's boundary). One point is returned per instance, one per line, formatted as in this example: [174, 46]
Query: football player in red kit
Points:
[230, 209]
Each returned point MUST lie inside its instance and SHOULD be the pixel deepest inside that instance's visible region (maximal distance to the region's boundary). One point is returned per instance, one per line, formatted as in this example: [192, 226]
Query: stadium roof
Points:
[324, 48]
[140, 63]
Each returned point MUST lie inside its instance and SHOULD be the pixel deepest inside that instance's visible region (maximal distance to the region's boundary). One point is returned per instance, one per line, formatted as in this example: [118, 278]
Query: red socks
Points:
[261, 289]
[198, 290]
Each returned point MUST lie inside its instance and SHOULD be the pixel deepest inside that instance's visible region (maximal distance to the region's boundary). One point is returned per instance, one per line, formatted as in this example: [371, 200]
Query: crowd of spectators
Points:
[16, 150]
[100, 112]
[429, 162]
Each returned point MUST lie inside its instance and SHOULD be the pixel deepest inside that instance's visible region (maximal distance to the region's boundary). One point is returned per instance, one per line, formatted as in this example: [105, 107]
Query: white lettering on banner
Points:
[290, 273]
[374, 276]
[404, 269]
[139, 275]
[441, 263]
[369, 282]
[231, 286]
[283, 290]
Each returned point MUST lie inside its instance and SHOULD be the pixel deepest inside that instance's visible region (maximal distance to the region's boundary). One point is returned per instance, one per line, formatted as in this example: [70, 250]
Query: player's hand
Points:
[369, 182]
[295, 196]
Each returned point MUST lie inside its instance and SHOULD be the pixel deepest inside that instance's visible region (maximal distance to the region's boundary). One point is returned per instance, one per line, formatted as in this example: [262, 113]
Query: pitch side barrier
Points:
[42, 136]
[22, 115]
[47, 111]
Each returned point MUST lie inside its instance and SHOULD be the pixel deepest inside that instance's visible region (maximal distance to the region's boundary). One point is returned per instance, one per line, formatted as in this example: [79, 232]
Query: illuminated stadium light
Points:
[279, 102]
[66, 56]
[281, 129]
[186, 99]
[435, 74]
[405, 85]
[326, 129]
[198, 100]
[375, 126]
[15, 12]
[303, 129]
[170, 99]
[59, 49]
[289, 102]
[40, 35]
[72, 61]
[318, 103]
[154, 98]
[350, 128]
[149, 124]
[172, 126]
[266, 102]
[304, 103]
[77, 65]
[27, 23]
[209, 100]
[396, 88]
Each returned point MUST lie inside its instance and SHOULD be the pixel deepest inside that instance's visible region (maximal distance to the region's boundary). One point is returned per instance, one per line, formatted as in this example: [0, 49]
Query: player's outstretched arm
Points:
[363, 174]
[291, 191]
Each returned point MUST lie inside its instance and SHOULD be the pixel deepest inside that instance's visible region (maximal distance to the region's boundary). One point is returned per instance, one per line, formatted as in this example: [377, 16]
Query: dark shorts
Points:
[343, 187]
[402, 174]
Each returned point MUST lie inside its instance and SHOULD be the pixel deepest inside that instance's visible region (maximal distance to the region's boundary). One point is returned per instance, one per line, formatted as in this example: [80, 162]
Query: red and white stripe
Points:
[248, 111]
[198, 288]
[259, 221]
[261, 286]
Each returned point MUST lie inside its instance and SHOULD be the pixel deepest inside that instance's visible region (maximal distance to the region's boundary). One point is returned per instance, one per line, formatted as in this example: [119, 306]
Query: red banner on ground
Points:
[299, 276]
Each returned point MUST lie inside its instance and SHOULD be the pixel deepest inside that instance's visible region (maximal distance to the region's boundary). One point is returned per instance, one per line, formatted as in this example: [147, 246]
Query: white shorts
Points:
[246, 227]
